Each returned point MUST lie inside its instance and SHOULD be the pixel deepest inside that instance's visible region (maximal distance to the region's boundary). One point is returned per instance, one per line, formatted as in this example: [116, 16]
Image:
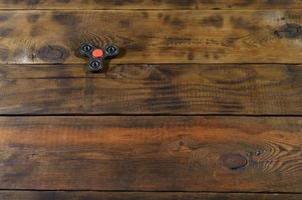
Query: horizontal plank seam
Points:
[147, 115]
[130, 63]
[147, 191]
[149, 9]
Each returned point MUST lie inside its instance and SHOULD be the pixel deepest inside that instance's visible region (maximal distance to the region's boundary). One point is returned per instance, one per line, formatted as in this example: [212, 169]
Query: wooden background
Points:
[204, 102]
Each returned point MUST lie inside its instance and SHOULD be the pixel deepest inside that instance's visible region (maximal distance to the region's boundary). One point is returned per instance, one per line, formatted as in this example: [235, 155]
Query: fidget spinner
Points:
[97, 56]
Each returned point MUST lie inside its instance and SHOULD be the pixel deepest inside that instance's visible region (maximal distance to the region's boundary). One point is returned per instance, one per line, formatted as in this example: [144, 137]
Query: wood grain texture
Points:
[150, 4]
[152, 89]
[267, 36]
[38, 195]
[248, 154]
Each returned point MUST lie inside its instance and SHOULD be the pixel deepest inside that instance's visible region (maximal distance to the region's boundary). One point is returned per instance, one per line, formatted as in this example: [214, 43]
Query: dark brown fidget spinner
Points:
[97, 56]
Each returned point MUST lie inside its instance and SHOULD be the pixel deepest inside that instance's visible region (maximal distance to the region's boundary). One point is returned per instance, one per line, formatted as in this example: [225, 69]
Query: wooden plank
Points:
[38, 195]
[152, 89]
[150, 4]
[247, 154]
[267, 36]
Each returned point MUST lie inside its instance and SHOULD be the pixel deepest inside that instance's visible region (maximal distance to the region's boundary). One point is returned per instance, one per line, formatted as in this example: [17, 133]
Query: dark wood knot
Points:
[233, 161]
[53, 53]
[290, 30]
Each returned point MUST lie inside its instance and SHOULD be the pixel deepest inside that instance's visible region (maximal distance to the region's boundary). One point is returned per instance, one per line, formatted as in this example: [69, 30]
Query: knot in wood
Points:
[233, 161]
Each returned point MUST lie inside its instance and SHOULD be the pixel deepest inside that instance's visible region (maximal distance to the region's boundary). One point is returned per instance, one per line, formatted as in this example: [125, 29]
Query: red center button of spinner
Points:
[97, 53]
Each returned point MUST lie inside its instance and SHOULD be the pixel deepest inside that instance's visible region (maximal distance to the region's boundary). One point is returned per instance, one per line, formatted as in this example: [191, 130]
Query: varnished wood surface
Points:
[21, 195]
[152, 89]
[248, 154]
[176, 59]
[266, 36]
[150, 4]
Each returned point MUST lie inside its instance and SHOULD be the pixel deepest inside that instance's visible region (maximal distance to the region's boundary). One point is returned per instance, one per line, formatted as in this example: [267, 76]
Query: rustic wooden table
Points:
[204, 102]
